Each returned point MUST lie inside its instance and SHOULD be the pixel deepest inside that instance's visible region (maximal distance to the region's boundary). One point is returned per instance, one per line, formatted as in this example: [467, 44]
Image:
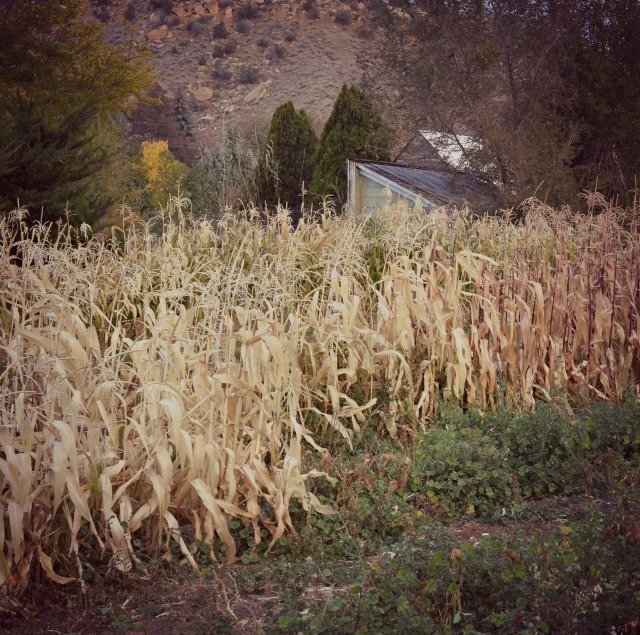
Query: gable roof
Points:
[443, 187]
[453, 149]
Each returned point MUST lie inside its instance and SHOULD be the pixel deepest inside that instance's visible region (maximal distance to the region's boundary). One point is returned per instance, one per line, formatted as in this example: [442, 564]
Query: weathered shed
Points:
[371, 185]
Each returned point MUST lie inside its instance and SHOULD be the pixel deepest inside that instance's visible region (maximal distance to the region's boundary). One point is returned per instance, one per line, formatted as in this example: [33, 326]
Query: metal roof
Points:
[446, 187]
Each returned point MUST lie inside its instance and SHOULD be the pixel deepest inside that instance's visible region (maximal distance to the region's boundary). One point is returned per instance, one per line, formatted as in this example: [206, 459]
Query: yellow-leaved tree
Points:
[162, 174]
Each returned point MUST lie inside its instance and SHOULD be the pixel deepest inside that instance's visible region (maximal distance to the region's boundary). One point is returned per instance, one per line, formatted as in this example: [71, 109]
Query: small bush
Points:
[290, 36]
[275, 52]
[248, 11]
[221, 73]
[540, 450]
[243, 26]
[195, 26]
[248, 75]
[183, 115]
[343, 16]
[313, 13]
[220, 31]
[262, 42]
[222, 50]
[462, 471]
[160, 19]
[223, 4]
[165, 5]
[130, 12]
[103, 15]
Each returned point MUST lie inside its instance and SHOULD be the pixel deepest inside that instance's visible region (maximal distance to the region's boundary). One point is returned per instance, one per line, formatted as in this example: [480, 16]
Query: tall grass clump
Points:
[151, 380]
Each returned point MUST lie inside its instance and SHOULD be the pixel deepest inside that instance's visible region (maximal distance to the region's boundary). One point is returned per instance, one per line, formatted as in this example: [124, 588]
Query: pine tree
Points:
[63, 90]
[285, 165]
[354, 130]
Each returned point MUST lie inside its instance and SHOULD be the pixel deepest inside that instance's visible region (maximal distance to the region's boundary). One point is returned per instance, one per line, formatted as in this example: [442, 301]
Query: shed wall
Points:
[369, 195]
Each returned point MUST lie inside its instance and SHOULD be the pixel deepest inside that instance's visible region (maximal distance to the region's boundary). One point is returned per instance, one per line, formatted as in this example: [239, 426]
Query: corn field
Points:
[151, 380]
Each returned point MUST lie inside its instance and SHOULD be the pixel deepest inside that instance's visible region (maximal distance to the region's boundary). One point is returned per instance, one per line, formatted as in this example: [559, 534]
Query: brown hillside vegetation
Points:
[237, 74]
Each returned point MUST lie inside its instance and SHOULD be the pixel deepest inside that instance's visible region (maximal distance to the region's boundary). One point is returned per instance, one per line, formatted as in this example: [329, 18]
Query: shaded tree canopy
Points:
[62, 87]
[354, 130]
[551, 87]
[286, 164]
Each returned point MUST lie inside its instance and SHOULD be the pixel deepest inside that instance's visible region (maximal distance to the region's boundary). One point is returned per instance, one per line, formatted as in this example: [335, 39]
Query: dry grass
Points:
[147, 382]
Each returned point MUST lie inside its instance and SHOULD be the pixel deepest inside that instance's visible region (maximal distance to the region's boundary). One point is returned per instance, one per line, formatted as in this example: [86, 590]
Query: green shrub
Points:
[610, 435]
[582, 578]
[248, 75]
[219, 31]
[247, 11]
[343, 16]
[184, 116]
[130, 12]
[540, 448]
[242, 26]
[462, 470]
[353, 130]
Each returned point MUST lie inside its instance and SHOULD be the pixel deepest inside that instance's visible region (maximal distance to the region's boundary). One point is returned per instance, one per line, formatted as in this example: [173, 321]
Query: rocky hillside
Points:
[221, 63]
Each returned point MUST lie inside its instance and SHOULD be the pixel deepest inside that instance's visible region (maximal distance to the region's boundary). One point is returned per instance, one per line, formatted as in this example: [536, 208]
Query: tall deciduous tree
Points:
[286, 164]
[551, 87]
[62, 87]
[354, 130]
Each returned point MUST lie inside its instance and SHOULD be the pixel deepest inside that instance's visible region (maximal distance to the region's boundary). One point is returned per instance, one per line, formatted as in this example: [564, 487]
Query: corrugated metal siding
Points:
[443, 187]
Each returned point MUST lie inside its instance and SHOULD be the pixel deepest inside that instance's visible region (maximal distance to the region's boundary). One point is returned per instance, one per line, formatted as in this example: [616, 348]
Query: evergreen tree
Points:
[63, 89]
[354, 130]
[286, 161]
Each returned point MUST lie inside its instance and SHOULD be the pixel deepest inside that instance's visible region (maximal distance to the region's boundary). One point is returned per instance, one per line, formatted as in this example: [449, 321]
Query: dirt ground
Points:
[297, 58]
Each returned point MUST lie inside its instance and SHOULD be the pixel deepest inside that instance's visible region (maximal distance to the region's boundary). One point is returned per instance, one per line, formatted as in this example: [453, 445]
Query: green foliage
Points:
[354, 130]
[223, 177]
[610, 436]
[219, 31]
[285, 165]
[580, 578]
[248, 74]
[61, 88]
[184, 116]
[540, 448]
[462, 470]
[478, 465]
